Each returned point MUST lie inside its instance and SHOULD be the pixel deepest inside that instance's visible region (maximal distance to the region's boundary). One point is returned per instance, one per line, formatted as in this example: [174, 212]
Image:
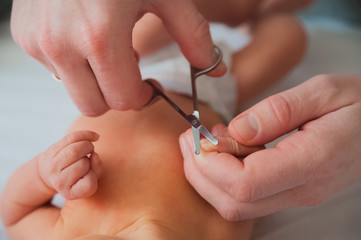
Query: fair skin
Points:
[304, 169]
[130, 183]
[136, 190]
[88, 44]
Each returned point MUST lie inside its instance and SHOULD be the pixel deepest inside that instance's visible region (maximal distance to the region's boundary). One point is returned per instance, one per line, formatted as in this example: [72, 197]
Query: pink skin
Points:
[88, 45]
[70, 166]
[303, 169]
[227, 144]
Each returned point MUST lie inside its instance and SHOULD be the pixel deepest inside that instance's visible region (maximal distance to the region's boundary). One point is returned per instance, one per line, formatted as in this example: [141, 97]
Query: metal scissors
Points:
[192, 119]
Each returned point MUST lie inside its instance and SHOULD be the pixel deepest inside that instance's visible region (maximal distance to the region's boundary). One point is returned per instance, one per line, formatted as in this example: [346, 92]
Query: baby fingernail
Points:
[206, 145]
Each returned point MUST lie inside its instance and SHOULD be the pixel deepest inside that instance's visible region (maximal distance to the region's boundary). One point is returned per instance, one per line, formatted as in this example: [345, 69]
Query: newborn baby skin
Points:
[128, 184]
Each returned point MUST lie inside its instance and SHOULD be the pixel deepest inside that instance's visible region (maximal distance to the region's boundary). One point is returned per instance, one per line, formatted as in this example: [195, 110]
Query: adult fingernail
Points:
[246, 126]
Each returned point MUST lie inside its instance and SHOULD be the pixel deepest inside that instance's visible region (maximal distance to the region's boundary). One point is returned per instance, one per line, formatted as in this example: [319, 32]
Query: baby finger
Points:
[65, 180]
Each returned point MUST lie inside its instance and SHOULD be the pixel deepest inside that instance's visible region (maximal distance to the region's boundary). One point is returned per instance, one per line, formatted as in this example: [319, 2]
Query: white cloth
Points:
[172, 70]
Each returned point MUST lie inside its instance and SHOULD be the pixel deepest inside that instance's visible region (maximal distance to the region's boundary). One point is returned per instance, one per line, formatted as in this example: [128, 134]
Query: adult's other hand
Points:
[88, 45]
[303, 169]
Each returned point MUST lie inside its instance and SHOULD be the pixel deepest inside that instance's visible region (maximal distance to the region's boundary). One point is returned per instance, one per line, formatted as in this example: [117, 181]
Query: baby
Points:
[122, 173]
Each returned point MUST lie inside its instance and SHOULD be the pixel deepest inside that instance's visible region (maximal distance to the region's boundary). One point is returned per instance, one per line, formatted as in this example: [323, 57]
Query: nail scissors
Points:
[192, 119]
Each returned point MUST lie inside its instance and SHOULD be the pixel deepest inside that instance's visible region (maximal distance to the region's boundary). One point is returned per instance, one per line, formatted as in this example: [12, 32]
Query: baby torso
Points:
[143, 182]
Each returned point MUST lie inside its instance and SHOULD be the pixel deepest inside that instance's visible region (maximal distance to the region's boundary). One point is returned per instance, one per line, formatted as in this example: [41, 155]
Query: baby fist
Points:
[71, 167]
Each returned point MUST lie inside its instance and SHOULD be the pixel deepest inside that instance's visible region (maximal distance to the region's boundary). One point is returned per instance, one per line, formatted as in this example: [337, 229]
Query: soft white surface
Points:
[35, 111]
[219, 93]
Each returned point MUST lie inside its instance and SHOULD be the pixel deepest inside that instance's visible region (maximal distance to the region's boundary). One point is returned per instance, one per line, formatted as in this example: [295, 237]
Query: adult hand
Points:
[88, 45]
[303, 169]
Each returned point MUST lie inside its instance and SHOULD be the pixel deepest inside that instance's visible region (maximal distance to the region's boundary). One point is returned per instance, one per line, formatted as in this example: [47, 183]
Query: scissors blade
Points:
[197, 140]
[192, 119]
[197, 129]
[203, 130]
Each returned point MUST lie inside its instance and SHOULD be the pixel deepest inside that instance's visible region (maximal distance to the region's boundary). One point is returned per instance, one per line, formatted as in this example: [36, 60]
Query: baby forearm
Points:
[278, 45]
[24, 192]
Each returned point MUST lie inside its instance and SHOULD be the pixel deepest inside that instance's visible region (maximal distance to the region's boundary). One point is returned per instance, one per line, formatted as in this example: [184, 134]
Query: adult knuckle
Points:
[96, 40]
[50, 45]
[280, 107]
[200, 30]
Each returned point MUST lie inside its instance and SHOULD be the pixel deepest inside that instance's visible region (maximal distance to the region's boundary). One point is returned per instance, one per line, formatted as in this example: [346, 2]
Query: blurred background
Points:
[35, 111]
[5, 8]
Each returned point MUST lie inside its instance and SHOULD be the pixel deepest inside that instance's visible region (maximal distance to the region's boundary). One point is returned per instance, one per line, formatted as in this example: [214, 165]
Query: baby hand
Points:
[226, 144]
[70, 166]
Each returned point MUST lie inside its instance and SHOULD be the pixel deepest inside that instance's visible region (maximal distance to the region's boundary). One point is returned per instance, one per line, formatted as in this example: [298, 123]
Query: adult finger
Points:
[202, 185]
[83, 88]
[286, 111]
[294, 162]
[227, 205]
[191, 31]
[117, 72]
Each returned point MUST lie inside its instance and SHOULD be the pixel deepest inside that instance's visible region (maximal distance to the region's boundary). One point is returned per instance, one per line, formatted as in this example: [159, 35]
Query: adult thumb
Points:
[191, 31]
[288, 110]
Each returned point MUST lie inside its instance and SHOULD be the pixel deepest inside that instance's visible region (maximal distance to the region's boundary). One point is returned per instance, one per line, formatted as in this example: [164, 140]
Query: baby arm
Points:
[150, 34]
[278, 45]
[69, 167]
[226, 144]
